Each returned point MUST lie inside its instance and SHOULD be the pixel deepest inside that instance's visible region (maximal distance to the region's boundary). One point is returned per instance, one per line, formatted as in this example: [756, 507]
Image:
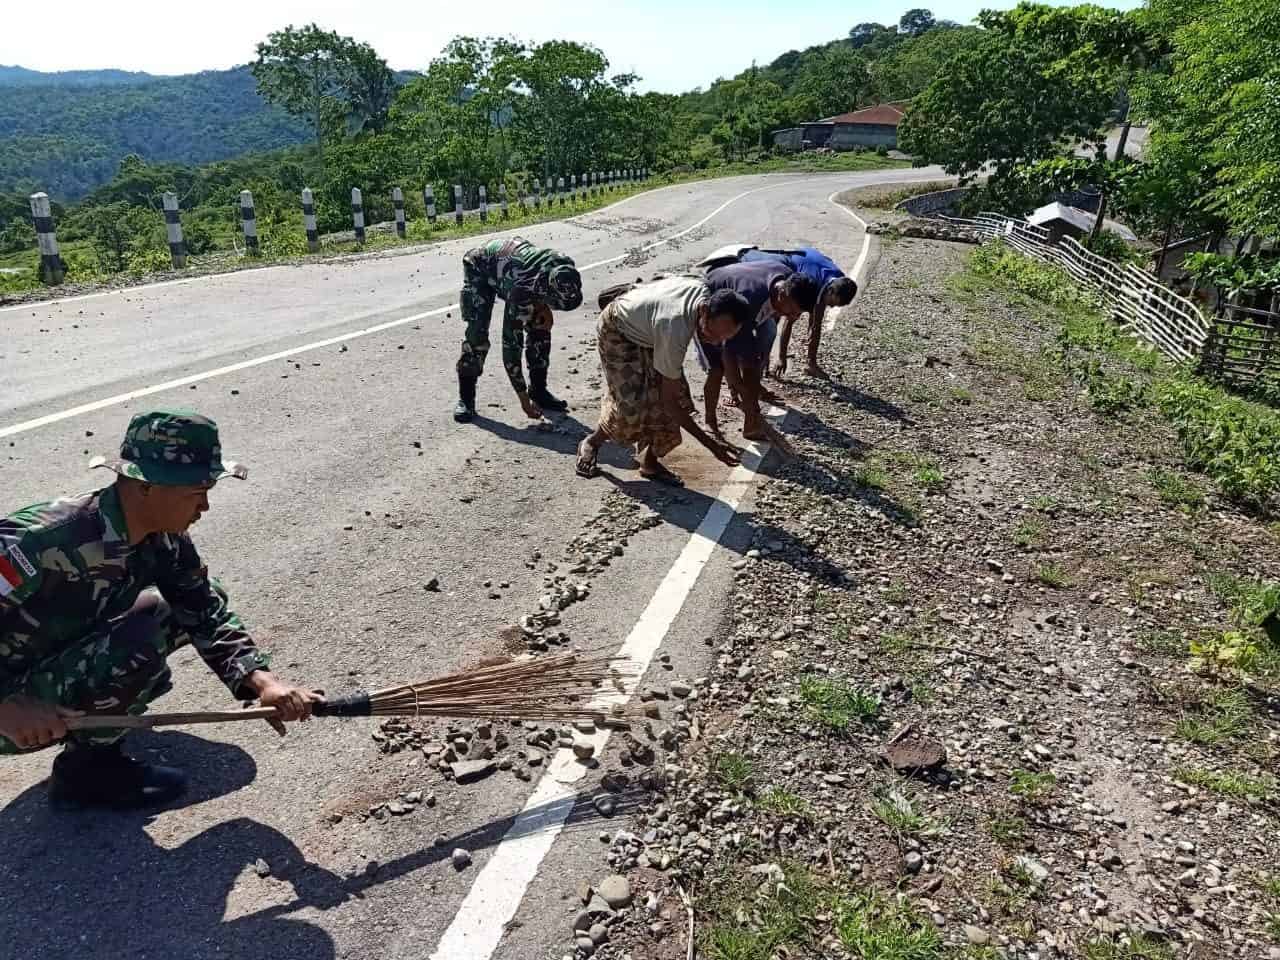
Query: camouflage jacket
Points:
[518, 269]
[66, 568]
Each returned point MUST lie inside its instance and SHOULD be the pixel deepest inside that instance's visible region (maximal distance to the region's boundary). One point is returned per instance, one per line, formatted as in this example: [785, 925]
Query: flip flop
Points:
[664, 477]
[586, 467]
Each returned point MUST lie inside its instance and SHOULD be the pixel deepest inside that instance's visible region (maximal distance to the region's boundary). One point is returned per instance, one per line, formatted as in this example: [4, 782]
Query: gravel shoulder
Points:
[951, 711]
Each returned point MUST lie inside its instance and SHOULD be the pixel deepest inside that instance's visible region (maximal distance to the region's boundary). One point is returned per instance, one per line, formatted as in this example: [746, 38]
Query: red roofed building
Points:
[868, 128]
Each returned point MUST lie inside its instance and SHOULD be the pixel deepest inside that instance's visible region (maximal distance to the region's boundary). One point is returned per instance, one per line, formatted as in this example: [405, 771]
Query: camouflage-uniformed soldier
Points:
[97, 590]
[532, 281]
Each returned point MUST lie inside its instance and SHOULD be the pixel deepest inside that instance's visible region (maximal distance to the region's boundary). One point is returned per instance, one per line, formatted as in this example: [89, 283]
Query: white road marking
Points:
[36, 423]
[495, 896]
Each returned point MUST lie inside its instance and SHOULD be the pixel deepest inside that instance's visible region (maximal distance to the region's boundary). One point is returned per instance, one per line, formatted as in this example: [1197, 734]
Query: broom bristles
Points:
[565, 687]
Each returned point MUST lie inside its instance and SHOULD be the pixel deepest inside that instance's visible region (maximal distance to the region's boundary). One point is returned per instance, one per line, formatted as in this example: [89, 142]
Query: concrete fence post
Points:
[502, 199]
[309, 220]
[457, 204]
[582, 194]
[573, 188]
[248, 223]
[537, 193]
[484, 205]
[357, 214]
[173, 227]
[51, 267]
[429, 201]
[397, 201]
[560, 190]
[551, 192]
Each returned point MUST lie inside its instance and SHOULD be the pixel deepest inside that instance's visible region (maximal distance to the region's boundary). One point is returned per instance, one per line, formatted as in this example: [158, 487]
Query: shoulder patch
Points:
[22, 560]
[10, 578]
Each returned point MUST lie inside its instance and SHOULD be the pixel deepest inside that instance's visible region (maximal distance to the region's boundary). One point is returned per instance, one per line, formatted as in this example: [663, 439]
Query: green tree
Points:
[863, 33]
[916, 22]
[302, 70]
[369, 86]
[832, 82]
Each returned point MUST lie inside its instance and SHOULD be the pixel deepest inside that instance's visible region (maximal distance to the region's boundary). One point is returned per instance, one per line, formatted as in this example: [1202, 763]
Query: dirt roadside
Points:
[952, 712]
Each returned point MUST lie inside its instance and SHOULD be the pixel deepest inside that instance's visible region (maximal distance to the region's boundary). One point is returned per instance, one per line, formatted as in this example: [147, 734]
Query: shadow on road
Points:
[559, 435]
[832, 391]
[97, 884]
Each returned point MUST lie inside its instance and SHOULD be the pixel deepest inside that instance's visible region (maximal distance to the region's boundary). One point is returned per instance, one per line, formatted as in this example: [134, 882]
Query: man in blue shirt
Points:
[772, 290]
[834, 290]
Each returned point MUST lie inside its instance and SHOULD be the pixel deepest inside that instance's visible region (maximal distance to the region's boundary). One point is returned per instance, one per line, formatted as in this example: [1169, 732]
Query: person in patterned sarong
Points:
[643, 336]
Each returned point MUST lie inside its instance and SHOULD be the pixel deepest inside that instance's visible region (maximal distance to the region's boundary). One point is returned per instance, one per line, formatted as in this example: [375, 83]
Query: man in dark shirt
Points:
[772, 290]
[96, 591]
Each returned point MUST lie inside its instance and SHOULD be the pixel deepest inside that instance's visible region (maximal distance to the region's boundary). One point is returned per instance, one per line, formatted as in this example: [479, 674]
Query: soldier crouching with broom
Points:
[96, 591]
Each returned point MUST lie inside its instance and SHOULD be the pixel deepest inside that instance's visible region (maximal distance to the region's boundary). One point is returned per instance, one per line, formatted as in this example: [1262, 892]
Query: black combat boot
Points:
[101, 775]
[543, 397]
[466, 408]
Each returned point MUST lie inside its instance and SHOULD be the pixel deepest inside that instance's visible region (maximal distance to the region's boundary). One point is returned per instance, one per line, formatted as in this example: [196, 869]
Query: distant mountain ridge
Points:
[66, 133]
[13, 76]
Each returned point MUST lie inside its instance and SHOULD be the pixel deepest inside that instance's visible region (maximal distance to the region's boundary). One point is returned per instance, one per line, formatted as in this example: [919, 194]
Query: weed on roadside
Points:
[1008, 831]
[1031, 533]
[733, 770]
[1225, 715]
[1131, 946]
[871, 477]
[900, 813]
[961, 396]
[1045, 504]
[1052, 575]
[1176, 490]
[876, 927]
[836, 704]
[784, 803]
[1229, 783]
[1166, 643]
[1032, 788]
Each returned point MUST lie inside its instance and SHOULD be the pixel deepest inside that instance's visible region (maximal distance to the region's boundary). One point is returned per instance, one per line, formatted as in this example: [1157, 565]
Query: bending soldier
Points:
[532, 281]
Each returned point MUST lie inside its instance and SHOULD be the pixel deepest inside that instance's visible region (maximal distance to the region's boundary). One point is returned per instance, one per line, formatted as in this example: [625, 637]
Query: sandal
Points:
[586, 467]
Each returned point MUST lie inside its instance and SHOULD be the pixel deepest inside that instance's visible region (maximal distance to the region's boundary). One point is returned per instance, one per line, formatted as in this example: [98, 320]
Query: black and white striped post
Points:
[173, 227]
[248, 223]
[357, 214]
[397, 201]
[573, 188]
[429, 201]
[457, 204]
[309, 220]
[484, 205]
[582, 194]
[551, 193]
[537, 193]
[502, 199]
[51, 267]
[560, 189]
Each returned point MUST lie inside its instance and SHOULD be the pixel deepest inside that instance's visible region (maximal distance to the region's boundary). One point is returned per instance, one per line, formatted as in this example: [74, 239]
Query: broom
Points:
[561, 688]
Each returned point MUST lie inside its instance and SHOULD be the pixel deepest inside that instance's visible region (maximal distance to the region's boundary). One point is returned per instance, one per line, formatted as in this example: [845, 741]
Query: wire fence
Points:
[1241, 347]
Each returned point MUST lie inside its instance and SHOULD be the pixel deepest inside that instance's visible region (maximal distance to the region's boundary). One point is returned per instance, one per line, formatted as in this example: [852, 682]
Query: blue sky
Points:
[673, 44]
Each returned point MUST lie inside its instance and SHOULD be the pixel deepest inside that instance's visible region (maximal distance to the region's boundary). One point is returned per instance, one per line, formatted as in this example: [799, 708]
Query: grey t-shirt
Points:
[662, 316]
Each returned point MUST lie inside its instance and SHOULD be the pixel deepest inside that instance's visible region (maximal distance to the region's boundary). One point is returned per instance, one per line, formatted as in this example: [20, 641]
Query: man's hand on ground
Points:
[531, 409]
[33, 723]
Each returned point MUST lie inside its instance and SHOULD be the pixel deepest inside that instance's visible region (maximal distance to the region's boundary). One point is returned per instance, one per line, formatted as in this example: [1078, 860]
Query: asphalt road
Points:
[361, 489]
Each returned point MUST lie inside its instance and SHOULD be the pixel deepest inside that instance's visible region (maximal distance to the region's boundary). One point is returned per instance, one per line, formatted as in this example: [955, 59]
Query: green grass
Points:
[1008, 831]
[837, 705]
[784, 803]
[1270, 885]
[1032, 788]
[872, 926]
[961, 396]
[1046, 503]
[1229, 783]
[888, 198]
[1052, 575]
[898, 592]
[1132, 946]
[930, 478]
[733, 770]
[1031, 533]
[1226, 716]
[1166, 643]
[1175, 489]
[900, 813]
[871, 477]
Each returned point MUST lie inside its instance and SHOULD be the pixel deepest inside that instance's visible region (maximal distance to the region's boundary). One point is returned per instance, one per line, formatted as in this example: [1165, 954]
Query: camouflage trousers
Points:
[521, 332]
[119, 668]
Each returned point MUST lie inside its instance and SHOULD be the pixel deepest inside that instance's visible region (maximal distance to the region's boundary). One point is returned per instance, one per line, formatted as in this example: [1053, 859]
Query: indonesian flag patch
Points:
[10, 578]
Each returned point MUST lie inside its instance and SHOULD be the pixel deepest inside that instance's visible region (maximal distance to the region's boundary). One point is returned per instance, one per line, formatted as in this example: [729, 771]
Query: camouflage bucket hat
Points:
[175, 448]
[564, 287]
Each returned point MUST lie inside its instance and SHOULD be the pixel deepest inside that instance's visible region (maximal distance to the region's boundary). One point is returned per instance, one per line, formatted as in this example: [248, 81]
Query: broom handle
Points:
[127, 722]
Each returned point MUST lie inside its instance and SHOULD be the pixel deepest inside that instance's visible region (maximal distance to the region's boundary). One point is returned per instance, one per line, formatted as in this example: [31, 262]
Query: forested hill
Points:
[68, 137]
[15, 76]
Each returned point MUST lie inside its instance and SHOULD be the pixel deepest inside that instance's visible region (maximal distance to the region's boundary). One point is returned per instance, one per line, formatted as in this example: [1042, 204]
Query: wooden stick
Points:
[98, 721]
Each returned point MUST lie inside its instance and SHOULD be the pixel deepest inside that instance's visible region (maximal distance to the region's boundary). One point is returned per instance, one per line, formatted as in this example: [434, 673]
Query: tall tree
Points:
[915, 22]
[302, 69]
[863, 33]
[369, 86]
[832, 82]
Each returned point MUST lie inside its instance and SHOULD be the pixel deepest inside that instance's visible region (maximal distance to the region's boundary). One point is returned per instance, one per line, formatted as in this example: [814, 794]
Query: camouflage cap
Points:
[175, 448]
